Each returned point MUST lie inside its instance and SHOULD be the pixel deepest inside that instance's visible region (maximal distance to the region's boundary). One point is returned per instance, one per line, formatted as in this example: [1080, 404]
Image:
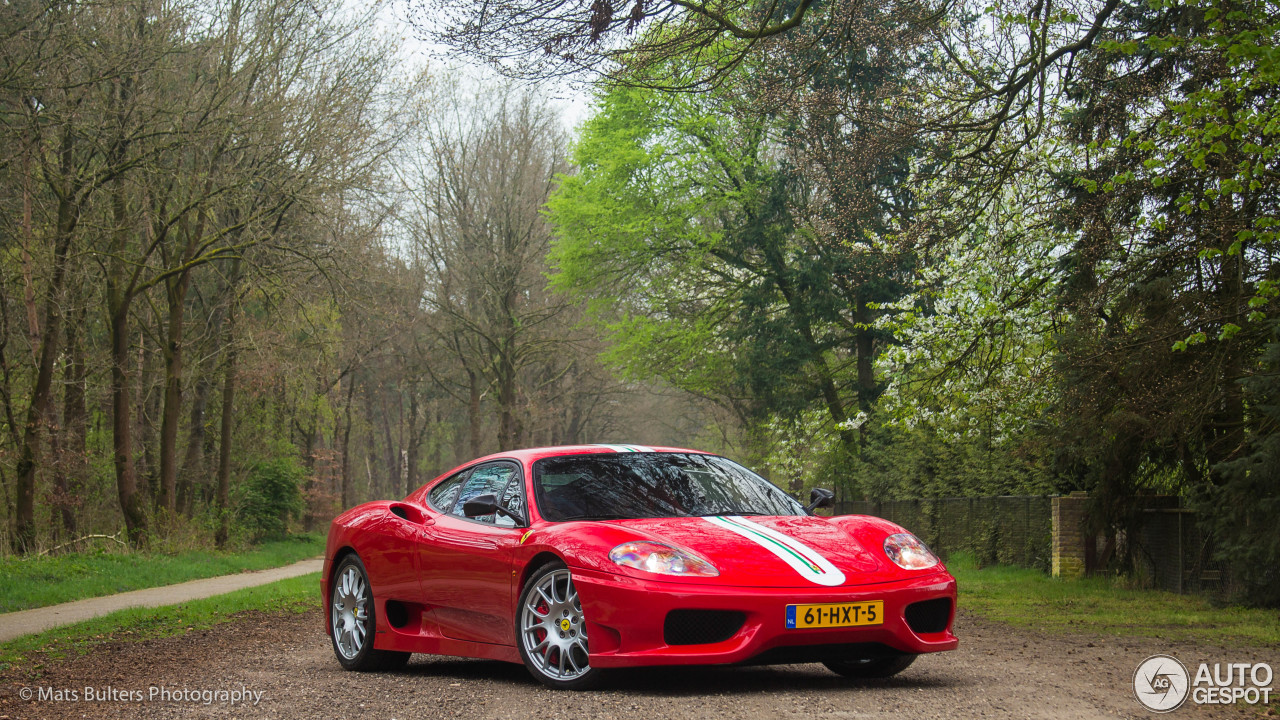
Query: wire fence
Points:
[1174, 554]
[1170, 550]
[1009, 530]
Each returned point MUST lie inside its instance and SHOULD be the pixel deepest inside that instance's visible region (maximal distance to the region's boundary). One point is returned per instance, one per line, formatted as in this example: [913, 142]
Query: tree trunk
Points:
[119, 295]
[29, 452]
[573, 428]
[865, 342]
[24, 530]
[473, 413]
[506, 405]
[28, 239]
[193, 463]
[415, 440]
[60, 505]
[148, 408]
[437, 445]
[227, 424]
[825, 380]
[176, 293]
[74, 431]
[1227, 430]
[346, 446]
[135, 520]
[393, 454]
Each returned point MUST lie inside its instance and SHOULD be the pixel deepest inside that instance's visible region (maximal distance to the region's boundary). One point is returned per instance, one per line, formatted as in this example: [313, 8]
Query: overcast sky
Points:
[572, 102]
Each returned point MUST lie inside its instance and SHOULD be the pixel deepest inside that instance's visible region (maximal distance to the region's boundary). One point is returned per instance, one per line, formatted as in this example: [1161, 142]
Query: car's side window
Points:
[513, 498]
[443, 496]
[492, 479]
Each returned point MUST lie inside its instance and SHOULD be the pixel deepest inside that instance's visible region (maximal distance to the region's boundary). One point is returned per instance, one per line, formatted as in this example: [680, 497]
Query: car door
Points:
[466, 567]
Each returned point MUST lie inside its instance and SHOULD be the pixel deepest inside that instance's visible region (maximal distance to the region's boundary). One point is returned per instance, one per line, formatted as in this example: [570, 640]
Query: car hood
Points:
[771, 551]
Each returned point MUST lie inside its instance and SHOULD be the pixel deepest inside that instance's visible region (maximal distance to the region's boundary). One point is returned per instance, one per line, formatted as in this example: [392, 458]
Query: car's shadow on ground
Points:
[681, 681]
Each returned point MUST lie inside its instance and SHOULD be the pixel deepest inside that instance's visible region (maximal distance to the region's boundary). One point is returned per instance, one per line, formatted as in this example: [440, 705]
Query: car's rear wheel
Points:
[552, 630]
[870, 668]
[352, 620]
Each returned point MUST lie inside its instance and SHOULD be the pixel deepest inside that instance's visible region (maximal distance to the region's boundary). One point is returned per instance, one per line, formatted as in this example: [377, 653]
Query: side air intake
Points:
[928, 616]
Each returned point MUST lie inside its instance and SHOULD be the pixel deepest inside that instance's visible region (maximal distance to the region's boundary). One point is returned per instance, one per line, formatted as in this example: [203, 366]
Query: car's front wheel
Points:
[870, 668]
[352, 621]
[552, 630]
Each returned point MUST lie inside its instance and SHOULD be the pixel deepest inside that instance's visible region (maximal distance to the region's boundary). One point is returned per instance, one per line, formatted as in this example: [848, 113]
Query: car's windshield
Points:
[651, 485]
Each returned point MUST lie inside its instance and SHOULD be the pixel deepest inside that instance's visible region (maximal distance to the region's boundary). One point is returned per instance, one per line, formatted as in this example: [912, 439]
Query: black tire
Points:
[870, 668]
[364, 657]
[586, 680]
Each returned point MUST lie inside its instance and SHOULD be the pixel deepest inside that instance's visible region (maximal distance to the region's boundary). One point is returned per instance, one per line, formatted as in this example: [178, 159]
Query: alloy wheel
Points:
[552, 628]
[349, 613]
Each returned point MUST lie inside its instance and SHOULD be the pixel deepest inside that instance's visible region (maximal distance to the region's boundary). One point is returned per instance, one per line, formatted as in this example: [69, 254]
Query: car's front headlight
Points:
[656, 557]
[907, 552]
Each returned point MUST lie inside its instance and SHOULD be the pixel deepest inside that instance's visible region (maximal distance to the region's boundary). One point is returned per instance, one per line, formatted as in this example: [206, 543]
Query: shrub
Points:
[271, 497]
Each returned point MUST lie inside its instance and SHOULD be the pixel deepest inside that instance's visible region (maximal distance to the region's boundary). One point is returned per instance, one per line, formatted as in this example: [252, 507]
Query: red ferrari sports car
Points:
[573, 560]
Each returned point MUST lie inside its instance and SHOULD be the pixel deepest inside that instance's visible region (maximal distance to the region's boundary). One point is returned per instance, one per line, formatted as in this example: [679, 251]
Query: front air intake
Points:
[701, 627]
[928, 616]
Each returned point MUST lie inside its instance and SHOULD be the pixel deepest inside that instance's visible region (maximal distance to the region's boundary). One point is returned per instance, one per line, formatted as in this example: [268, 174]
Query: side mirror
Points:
[480, 505]
[487, 504]
[821, 498]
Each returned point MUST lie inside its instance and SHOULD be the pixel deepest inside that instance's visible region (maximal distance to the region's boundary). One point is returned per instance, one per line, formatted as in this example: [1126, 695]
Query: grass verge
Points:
[295, 595]
[1030, 598]
[31, 582]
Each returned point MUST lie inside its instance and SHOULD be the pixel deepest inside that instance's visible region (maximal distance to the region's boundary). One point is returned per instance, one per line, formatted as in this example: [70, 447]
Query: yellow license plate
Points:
[835, 615]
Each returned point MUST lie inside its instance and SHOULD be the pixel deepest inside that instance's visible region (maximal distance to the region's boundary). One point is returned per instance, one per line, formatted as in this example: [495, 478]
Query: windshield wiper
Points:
[596, 516]
[730, 512]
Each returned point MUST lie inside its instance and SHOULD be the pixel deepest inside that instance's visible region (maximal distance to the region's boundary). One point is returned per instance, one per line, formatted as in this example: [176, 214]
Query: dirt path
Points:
[26, 622]
[999, 672]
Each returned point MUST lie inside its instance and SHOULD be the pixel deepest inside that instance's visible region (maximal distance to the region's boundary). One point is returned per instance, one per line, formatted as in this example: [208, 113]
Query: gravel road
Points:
[999, 672]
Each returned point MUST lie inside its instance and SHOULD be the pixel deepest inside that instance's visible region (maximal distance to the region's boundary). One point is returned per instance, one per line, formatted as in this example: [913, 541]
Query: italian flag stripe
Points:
[811, 565]
[766, 539]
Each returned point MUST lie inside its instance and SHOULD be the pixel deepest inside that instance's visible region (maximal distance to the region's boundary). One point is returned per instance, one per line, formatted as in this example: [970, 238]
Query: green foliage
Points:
[272, 496]
[904, 461]
[702, 232]
[679, 232]
[1168, 283]
[976, 332]
[1242, 510]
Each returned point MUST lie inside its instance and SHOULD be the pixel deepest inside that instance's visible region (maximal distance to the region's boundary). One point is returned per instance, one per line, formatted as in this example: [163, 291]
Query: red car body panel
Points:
[455, 582]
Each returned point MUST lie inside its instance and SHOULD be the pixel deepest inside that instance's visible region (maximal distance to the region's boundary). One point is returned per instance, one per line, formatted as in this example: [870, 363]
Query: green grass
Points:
[295, 595]
[30, 582]
[1030, 598]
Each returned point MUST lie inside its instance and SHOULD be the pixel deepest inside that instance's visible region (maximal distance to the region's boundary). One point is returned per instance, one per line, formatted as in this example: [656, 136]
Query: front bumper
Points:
[626, 616]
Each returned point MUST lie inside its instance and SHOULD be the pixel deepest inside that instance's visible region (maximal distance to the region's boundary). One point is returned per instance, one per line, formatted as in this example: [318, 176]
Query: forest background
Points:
[257, 268]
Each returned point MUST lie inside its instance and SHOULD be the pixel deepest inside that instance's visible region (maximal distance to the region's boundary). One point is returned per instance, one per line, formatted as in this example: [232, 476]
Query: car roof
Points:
[529, 455]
